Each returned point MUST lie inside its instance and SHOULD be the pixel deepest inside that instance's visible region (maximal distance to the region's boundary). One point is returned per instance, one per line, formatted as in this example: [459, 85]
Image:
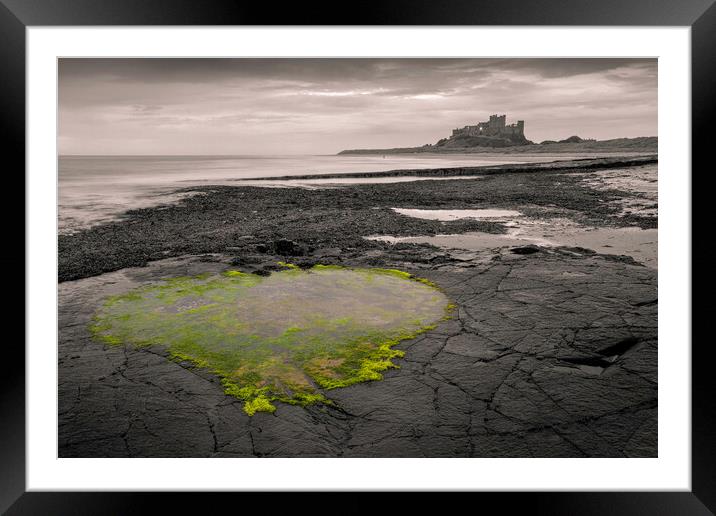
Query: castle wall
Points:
[495, 126]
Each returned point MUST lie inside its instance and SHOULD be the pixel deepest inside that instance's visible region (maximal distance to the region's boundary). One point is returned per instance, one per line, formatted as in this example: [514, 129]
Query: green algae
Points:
[288, 265]
[284, 338]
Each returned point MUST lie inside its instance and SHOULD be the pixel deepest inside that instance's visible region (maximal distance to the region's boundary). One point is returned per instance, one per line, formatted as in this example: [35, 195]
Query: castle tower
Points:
[496, 126]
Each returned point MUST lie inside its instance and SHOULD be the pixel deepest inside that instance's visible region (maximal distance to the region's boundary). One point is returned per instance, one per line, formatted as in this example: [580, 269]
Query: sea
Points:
[97, 189]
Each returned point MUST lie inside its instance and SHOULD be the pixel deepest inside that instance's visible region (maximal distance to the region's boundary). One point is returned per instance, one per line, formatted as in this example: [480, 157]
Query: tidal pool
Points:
[447, 215]
[640, 244]
[285, 337]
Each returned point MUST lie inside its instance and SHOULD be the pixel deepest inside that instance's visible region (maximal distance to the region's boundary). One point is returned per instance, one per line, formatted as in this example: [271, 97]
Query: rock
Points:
[245, 260]
[288, 248]
[622, 258]
[267, 269]
[578, 250]
[324, 252]
[537, 361]
[307, 263]
[527, 249]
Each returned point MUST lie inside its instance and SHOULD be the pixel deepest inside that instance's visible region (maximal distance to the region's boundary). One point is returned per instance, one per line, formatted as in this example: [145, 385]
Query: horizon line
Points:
[72, 155]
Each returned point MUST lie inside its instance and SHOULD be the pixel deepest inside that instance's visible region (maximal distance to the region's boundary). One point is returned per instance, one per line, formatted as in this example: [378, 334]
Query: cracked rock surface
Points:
[550, 354]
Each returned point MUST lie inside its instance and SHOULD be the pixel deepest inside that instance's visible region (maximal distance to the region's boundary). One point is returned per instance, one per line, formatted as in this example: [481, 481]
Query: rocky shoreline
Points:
[570, 165]
[246, 221]
[552, 352]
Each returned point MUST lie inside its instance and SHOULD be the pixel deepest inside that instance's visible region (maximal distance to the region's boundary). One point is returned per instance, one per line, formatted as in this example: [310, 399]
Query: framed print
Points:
[435, 251]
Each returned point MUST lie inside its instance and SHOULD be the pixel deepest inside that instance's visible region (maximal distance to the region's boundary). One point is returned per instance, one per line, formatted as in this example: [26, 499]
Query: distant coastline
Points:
[571, 165]
[643, 144]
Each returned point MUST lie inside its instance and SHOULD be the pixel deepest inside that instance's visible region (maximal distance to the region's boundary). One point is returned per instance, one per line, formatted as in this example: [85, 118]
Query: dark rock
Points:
[619, 348]
[267, 269]
[210, 258]
[334, 252]
[307, 263]
[245, 260]
[527, 249]
[579, 250]
[537, 362]
[286, 247]
[622, 258]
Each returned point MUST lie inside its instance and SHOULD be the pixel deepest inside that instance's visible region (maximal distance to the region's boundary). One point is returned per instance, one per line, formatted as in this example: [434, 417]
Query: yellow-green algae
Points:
[285, 337]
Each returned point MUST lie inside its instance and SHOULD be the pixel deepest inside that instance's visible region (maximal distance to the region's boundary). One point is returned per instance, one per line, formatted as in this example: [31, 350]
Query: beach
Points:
[98, 189]
[551, 350]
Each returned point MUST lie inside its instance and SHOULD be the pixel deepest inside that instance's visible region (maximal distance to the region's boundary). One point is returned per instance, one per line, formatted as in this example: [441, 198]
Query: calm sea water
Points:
[94, 189]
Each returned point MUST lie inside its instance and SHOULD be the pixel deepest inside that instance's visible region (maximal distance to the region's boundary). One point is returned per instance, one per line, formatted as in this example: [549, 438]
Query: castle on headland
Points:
[495, 127]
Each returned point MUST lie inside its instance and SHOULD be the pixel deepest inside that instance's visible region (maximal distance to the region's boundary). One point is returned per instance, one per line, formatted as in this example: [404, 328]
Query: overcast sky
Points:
[321, 106]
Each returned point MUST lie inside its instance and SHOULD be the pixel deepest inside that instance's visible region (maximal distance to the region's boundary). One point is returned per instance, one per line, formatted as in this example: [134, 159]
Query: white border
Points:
[671, 471]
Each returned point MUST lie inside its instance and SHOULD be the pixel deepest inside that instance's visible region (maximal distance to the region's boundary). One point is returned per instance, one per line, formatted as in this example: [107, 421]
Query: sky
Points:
[322, 106]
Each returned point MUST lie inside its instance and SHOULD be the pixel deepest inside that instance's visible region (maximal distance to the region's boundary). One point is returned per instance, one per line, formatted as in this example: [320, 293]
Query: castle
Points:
[495, 127]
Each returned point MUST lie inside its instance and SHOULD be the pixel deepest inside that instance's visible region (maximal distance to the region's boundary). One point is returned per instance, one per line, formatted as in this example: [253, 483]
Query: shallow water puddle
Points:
[448, 215]
[641, 183]
[332, 182]
[640, 244]
[282, 337]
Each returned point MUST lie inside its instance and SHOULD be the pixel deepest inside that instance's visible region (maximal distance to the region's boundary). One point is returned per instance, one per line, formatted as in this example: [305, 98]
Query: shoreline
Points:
[575, 165]
[242, 218]
[642, 144]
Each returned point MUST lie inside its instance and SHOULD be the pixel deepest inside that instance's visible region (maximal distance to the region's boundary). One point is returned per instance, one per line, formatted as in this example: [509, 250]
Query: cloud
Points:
[267, 106]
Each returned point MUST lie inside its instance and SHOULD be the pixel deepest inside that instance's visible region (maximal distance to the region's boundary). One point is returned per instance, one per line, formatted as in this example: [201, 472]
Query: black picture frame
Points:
[17, 15]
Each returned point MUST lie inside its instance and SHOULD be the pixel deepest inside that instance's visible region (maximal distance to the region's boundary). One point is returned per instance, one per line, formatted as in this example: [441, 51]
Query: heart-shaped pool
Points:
[285, 337]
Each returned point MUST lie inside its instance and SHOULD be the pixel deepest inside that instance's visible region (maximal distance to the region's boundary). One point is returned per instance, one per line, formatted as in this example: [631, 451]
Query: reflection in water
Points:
[277, 338]
[641, 182]
[640, 244]
[447, 215]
